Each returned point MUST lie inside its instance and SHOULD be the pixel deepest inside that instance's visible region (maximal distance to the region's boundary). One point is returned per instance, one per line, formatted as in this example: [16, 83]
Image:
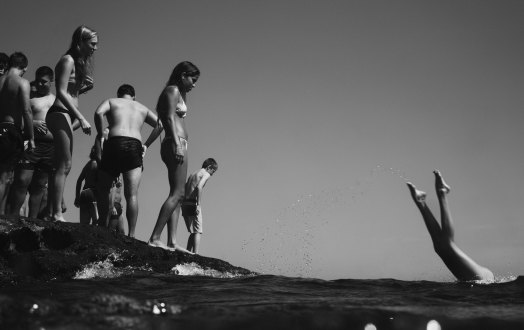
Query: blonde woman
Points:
[73, 77]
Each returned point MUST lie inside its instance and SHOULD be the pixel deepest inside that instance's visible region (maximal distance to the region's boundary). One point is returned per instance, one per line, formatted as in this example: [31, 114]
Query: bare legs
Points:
[88, 207]
[104, 197]
[37, 190]
[460, 264]
[193, 242]
[18, 190]
[170, 210]
[6, 178]
[131, 183]
[60, 125]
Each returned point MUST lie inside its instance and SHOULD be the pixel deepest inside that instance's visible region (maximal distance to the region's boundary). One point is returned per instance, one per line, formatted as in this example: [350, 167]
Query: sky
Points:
[318, 112]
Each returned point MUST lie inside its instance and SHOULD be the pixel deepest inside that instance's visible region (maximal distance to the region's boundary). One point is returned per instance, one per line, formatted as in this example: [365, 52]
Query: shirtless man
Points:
[191, 206]
[15, 113]
[36, 165]
[443, 236]
[123, 150]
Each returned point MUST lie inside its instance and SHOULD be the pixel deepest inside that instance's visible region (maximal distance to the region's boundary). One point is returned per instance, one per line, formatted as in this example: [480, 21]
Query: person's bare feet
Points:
[160, 244]
[441, 186]
[58, 218]
[419, 197]
[179, 248]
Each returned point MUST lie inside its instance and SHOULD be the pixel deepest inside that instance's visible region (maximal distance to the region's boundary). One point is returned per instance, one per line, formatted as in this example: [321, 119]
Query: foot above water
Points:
[418, 195]
[440, 185]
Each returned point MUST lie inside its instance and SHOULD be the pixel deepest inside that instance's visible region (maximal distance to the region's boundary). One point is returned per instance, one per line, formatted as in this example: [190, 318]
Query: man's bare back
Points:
[126, 117]
[14, 99]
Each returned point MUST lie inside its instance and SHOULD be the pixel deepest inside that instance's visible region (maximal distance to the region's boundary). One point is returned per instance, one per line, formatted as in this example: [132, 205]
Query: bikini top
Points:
[181, 109]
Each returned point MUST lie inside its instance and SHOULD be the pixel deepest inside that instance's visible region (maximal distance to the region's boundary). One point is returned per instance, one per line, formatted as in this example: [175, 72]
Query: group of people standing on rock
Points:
[36, 144]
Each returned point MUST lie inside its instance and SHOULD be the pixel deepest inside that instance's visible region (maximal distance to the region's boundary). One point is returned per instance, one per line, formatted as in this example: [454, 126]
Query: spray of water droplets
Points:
[285, 245]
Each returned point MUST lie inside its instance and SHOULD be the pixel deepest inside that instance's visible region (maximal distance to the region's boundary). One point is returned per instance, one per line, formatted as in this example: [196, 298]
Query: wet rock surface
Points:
[36, 250]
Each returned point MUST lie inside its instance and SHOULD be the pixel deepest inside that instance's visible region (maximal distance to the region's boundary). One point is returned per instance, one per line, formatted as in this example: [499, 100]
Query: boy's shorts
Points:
[192, 214]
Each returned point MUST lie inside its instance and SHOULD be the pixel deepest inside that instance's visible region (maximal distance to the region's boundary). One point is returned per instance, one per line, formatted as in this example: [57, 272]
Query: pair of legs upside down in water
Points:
[459, 263]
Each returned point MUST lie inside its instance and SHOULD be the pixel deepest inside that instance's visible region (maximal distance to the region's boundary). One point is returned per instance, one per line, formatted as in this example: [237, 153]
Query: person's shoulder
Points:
[66, 59]
[172, 90]
[93, 164]
[51, 98]
[22, 82]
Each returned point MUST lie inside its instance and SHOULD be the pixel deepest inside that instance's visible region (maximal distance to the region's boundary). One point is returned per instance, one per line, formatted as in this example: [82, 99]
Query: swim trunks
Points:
[87, 196]
[166, 152]
[192, 214]
[56, 108]
[39, 158]
[11, 146]
[121, 154]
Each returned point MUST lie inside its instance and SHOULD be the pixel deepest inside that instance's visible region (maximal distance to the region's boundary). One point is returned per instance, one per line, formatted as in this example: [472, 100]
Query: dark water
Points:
[145, 300]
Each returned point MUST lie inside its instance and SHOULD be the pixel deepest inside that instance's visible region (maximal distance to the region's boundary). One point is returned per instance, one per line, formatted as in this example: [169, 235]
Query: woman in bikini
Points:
[73, 77]
[172, 110]
[459, 263]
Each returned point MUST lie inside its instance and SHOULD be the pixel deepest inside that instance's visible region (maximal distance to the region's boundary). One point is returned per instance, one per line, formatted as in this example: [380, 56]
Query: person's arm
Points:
[86, 86]
[63, 72]
[173, 96]
[27, 113]
[201, 184]
[81, 178]
[196, 194]
[100, 113]
[153, 121]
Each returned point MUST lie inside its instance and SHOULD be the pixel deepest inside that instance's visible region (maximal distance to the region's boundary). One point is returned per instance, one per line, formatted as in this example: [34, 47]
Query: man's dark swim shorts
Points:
[40, 158]
[11, 146]
[121, 154]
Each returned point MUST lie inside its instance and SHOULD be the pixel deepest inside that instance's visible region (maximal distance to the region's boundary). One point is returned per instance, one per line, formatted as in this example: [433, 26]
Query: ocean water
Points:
[102, 297]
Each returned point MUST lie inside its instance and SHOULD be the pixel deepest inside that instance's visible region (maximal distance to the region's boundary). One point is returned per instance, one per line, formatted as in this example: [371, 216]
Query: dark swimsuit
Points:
[11, 146]
[121, 154]
[56, 108]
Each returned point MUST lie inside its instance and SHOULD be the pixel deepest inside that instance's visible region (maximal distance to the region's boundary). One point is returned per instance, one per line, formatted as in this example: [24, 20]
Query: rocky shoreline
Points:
[36, 250]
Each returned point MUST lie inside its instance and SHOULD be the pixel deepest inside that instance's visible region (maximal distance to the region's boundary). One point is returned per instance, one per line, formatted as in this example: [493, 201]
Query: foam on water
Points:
[498, 279]
[105, 269]
[194, 269]
[100, 269]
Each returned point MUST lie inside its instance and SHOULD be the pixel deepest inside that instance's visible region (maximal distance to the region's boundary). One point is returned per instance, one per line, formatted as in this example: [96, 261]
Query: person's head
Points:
[126, 89]
[18, 61]
[83, 44]
[4, 63]
[44, 77]
[184, 76]
[210, 165]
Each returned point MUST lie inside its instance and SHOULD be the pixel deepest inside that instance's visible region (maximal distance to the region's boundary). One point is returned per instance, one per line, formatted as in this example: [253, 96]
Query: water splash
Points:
[194, 269]
[100, 269]
[285, 246]
[498, 279]
[106, 269]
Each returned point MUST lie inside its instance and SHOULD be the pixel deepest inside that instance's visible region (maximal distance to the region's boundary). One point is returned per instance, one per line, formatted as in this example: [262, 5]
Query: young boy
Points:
[191, 207]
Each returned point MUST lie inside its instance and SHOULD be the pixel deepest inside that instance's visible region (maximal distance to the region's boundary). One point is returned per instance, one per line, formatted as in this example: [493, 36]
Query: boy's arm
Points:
[27, 113]
[200, 187]
[79, 184]
[153, 121]
[100, 113]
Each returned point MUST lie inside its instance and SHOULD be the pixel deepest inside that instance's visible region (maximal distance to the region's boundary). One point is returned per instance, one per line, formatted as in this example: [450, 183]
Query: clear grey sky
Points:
[316, 111]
